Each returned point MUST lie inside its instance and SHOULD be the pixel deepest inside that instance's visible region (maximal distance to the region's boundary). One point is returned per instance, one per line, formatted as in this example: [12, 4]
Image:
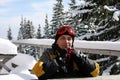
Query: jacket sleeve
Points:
[45, 67]
[87, 67]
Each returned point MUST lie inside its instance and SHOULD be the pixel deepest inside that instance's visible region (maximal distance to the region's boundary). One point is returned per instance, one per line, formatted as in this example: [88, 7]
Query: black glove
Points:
[84, 64]
[79, 58]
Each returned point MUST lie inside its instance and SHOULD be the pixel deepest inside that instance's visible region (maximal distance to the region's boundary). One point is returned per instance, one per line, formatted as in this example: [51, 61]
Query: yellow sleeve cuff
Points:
[96, 71]
[38, 69]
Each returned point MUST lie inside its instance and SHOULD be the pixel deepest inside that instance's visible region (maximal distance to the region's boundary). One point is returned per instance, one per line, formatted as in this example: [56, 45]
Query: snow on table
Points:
[110, 77]
[19, 76]
[24, 62]
[95, 47]
[7, 47]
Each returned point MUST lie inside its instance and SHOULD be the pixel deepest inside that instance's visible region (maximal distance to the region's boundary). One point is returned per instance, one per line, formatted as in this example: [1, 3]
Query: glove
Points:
[69, 52]
[79, 58]
[84, 64]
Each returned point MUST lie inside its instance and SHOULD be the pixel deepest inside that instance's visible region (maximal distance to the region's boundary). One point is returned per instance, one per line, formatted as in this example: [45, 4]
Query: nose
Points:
[67, 43]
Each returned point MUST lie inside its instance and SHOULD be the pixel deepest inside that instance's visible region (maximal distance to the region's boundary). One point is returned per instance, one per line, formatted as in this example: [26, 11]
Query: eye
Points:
[62, 37]
[69, 38]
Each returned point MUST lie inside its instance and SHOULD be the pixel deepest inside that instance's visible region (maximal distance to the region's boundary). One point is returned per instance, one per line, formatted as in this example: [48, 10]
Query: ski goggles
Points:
[64, 29]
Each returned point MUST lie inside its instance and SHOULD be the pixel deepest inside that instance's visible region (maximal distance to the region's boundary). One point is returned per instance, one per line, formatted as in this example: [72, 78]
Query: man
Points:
[62, 61]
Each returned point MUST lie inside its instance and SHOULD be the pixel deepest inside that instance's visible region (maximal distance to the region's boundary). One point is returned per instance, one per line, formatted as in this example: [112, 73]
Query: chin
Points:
[63, 47]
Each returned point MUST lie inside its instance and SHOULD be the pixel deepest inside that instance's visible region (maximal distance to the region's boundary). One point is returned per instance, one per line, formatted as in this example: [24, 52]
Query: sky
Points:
[11, 12]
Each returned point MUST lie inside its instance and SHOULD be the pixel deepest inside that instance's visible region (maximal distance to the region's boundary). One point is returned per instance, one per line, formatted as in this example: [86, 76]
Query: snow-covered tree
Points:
[26, 30]
[70, 19]
[99, 23]
[58, 17]
[47, 32]
[38, 35]
[9, 36]
[77, 13]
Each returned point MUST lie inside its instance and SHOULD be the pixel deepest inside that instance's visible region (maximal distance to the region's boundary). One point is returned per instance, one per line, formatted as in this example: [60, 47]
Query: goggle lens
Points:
[65, 29]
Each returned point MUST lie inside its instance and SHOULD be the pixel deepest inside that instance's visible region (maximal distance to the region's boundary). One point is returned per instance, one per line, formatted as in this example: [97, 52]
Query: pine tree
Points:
[76, 17]
[20, 34]
[97, 23]
[104, 27]
[58, 17]
[100, 19]
[73, 20]
[47, 31]
[38, 36]
[26, 30]
[29, 30]
[9, 34]
[69, 19]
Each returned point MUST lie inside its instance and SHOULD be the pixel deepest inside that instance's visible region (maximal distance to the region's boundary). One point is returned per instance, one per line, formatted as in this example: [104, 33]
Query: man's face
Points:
[64, 41]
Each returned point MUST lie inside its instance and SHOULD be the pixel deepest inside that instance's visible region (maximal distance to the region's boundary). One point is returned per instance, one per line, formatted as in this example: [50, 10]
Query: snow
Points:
[110, 8]
[7, 47]
[36, 42]
[102, 45]
[107, 71]
[19, 76]
[102, 59]
[116, 13]
[81, 4]
[24, 63]
[22, 60]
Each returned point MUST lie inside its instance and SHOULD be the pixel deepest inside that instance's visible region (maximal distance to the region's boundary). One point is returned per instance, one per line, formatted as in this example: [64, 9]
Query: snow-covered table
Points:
[7, 51]
[19, 76]
[107, 77]
[3, 59]
[14, 65]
